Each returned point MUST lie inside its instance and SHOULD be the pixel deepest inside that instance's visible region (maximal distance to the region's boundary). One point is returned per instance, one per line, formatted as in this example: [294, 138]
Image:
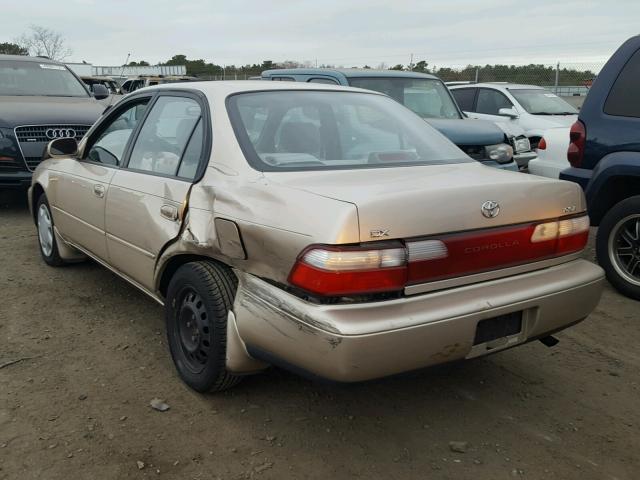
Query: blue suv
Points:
[604, 153]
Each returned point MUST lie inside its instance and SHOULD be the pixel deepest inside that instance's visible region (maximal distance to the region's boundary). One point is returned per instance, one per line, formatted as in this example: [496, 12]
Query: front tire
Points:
[199, 298]
[46, 235]
[618, 246]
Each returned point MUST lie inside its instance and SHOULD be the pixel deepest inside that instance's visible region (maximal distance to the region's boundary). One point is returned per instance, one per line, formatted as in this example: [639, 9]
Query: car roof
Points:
[349, 72]
[504, 85]
[230, 87]
[26, 58]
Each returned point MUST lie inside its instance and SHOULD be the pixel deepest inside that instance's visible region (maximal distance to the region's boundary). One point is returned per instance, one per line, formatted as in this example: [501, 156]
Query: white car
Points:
[552, 153]
[534, 109]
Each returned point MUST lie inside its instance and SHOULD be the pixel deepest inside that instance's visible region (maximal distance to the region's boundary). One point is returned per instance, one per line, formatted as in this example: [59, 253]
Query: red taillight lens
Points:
[337, 271]
[352, 270]
[577, 139]
[542, 144]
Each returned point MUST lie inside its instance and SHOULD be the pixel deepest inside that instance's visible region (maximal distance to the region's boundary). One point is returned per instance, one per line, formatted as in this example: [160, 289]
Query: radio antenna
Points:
[121, 73]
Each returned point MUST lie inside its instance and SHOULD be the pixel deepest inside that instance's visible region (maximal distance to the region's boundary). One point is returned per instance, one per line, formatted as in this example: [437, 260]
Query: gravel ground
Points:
[92, 355]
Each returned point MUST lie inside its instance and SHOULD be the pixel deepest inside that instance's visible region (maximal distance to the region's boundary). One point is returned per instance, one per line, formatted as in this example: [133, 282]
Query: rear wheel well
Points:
[35, 195]
[613, 192]
[172, 267]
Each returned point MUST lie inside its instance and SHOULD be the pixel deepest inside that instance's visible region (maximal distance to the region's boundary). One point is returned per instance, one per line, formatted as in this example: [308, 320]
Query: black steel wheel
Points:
[199, 298]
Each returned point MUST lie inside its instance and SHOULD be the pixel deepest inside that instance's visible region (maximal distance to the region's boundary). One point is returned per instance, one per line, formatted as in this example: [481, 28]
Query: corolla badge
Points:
[490, 209]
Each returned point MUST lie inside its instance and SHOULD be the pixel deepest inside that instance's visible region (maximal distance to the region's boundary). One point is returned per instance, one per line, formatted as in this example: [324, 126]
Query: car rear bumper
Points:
[361, 341]
[17, 179]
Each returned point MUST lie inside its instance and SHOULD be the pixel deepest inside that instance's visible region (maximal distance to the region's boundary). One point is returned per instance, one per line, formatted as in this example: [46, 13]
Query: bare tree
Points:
[44, 41]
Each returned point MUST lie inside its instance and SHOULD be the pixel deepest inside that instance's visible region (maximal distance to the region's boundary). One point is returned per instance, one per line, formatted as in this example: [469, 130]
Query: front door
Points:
[143, 209]
[83, 185]
[80, 189]
[488, 104]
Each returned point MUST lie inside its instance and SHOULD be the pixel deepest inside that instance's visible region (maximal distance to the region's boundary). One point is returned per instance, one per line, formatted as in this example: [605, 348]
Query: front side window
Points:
[624, 98]
[491, 101]
[162, 142]
[26, 78]
[539, 101]
[427, 97]
[465, 98]
[311, 130]
[111, 143]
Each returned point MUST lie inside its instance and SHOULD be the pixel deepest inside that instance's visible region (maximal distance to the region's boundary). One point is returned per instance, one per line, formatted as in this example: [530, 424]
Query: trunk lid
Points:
[409, 202]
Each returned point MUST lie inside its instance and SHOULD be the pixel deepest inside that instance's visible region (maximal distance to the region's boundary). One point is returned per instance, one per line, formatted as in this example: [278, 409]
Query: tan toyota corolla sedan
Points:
[324, 229]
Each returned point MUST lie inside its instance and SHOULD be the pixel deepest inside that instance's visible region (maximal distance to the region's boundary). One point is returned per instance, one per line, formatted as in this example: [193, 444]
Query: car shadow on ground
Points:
[13, 200]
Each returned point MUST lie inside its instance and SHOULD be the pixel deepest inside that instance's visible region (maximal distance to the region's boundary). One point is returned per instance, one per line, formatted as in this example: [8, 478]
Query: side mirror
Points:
[508, 112]
[62, 147]
[100, 92]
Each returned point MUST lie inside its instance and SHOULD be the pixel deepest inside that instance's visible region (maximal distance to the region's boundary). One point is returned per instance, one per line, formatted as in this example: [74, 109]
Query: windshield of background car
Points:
[20, 78]
[316, 130]
[427, 97]
[542, 102]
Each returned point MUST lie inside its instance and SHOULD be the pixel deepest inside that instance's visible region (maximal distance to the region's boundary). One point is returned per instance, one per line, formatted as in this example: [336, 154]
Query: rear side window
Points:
[328, 81]
[465, 97]
[162, 141]
[624, 98]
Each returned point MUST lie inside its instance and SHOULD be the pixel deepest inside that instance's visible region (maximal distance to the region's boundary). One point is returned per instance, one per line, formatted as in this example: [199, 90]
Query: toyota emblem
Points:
[490, 209]
[53, 133]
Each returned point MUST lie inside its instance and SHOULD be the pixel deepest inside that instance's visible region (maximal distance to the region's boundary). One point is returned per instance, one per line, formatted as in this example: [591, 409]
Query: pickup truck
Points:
[428, 97]
[604, 153]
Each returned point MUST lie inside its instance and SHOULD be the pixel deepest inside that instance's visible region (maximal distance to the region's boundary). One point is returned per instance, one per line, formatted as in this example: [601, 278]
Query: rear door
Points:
[465, 98]
[143, 208]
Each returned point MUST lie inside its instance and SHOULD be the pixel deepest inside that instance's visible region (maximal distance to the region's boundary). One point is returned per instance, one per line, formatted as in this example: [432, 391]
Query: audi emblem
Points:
[53, 133]
[490, 209]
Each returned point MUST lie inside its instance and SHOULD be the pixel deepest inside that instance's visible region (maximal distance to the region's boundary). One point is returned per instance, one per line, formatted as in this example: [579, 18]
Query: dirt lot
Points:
[77, 405]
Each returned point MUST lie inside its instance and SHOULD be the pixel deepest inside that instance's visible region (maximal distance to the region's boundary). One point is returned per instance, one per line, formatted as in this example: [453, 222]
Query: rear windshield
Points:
[316, 130]
[538, 101]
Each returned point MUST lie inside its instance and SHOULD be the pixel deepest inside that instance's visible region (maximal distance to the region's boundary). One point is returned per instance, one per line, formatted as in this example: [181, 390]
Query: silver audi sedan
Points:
[324, 229]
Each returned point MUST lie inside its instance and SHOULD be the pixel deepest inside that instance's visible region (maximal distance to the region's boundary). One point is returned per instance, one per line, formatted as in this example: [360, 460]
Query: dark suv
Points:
[604, 153]
[40, 100]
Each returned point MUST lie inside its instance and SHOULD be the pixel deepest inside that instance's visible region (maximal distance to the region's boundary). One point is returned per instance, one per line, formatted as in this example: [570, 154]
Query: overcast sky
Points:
[341, 32]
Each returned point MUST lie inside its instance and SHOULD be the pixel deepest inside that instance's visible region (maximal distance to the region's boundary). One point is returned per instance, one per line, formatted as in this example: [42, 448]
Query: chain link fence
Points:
[563, 76]
[568, 80]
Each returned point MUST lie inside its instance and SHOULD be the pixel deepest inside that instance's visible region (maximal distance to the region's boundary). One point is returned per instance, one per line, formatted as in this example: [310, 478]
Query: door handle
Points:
[98, 190]
[169, 212]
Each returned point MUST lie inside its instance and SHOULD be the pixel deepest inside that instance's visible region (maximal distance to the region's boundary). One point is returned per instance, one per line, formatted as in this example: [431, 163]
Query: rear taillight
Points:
[542, 144]
[577, 139]
[339, 271]
[355, 270]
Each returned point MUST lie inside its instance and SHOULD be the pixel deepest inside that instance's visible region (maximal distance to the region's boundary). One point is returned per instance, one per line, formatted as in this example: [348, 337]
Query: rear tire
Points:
[199, 298]
[618, 246]
[46, 235]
